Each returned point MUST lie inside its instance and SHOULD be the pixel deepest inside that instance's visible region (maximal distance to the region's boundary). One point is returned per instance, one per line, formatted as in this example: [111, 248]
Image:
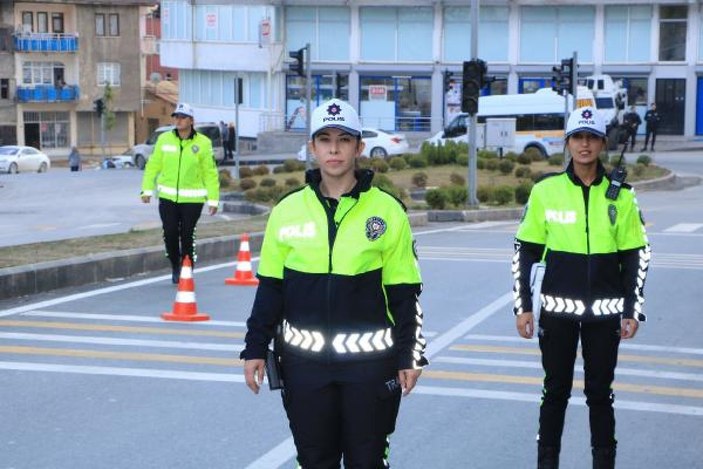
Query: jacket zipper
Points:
[586, 198]
[178, 175]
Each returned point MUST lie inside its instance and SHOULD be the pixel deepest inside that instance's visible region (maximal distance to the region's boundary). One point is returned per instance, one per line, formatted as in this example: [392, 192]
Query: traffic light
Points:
[473, 79]
[568, 76]
[448, 80]
[556, 79]
[99, 106]
[298, 66]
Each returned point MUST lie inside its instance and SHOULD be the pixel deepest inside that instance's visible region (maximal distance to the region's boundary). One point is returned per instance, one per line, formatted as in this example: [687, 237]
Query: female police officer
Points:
[339, 278]
[187, 177]
[596, 254]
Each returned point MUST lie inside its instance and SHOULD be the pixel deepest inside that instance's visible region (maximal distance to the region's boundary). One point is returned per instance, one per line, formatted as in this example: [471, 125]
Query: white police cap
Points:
[585, 119]
[183, 108]
[337, 114]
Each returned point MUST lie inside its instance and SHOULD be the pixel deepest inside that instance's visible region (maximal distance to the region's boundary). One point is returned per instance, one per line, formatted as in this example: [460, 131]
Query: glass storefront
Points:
[396, 103]
[324, 87]
[44, 130]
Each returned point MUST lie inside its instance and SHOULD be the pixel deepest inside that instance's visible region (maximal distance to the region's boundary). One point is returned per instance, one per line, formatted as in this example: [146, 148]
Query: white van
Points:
[143, 151]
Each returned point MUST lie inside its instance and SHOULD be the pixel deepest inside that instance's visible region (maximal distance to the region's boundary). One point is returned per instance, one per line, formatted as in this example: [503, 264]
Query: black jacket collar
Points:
[363, 181]
[600, 173]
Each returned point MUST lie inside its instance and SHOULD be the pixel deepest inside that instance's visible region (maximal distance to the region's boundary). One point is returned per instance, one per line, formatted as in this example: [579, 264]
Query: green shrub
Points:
[536, 175]
[534, 154]
[259, 194]
[502, 195]
[436, 199]
[638, 169]
[506, 166]
[523, 172]
[457, 195]
[510, 156]
[397, 163]
[418, 161]
[279, 169]
[292, 165]
[523, 158]
[276, 192]
[267, 182]
[225, 178]
[384, 182]
[556, 159]
[462, 159]
[488, 154]
[480, 163]
[522, 192]
[419, 179]
[644, 159]
[490, 164]
[615, 158]
[247, 184]
[261, 170]
[245, 172]
[293, 182]
[484, 193]
[363, 163]
[457, 179]
[379, 165]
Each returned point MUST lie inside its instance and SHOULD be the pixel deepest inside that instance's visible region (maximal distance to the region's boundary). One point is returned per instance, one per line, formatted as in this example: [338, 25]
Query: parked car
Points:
[379, 144]
[124, 160]
[143, 151]
[15, 159]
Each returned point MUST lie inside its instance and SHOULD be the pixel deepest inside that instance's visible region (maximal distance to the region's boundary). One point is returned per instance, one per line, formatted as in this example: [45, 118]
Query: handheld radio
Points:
[617, 177]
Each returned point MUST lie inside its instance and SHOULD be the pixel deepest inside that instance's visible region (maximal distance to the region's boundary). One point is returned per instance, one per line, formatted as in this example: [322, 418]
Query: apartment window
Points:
[27, 21]
[4, 88]
[627, 33]
[396, 34]
[42, 22]
[5, 39]
[57, 22]
[114, 24]
[327, 29]
[672, 33]
[99, 24]
[108, 74]
[41, 73]
[549, 33]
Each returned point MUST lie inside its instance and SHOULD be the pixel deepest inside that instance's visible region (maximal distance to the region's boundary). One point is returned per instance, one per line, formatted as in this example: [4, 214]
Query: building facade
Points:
[60, 57]
[390, 60]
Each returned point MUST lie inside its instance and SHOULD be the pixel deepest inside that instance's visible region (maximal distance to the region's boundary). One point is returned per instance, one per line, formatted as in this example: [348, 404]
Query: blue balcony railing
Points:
[47, 93]
[44, 42]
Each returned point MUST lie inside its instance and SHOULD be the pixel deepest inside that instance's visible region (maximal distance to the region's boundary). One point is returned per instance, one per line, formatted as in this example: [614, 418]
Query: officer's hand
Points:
[408, 380]
[628, 328]
[254, 373]
[146, 199]
[525, 324]
[212, 209]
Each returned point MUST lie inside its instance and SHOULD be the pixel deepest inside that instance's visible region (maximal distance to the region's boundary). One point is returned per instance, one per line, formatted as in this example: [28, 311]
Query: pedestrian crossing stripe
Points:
[684, 228]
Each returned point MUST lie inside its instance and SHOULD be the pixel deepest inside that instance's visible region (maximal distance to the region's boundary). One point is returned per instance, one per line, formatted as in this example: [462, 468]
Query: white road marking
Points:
[626, 346]
[121, 342]
[492, 363]
[276, 457]
[683, 228]
[123, 317]
[97, 226]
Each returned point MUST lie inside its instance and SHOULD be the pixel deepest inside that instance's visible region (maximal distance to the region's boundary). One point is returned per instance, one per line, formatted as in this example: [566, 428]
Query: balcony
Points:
[47, 94]
[45, 42]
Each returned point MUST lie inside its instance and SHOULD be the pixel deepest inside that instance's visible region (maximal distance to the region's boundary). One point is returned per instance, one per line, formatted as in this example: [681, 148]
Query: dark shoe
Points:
[547, 457]
[603, 458]
[175, 275]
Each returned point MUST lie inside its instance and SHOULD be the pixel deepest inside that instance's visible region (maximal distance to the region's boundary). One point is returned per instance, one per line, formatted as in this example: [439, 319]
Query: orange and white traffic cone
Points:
[243, 274]
[185, 308]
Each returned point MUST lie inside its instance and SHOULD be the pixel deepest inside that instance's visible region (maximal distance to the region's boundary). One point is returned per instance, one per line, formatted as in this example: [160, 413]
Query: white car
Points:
[125, 160]
[379, 144]
[15, 159]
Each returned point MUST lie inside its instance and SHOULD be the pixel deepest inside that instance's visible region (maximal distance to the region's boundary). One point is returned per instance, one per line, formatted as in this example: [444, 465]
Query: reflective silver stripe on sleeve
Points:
[183, 192]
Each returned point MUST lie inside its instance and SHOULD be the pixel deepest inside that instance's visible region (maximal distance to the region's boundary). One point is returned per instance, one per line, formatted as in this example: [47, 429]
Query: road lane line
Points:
[107, 355]
[621, 357]
[122, 342]
[276, 457]
[625, 346]
[492, 363]
[580, 401]
[683, 228]
[578, 384]
[115, 328]
[122, 317]
[118, 371]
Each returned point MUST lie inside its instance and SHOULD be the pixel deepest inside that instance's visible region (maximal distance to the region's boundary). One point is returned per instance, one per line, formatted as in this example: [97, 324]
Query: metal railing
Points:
[46, 42]
[47, 93]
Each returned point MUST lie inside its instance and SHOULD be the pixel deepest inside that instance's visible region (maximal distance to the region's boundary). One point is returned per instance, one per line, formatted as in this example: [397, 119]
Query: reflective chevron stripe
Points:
[357, 342]
[645, 256]
[518, 306]
[600, 307]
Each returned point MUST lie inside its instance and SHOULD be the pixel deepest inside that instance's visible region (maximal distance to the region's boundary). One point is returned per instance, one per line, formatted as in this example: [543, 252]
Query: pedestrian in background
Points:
[631, 120]
[231, 141]
[596, 256]
[74, 160]
[223, 135]
[651, 118]
[338, 268]
[182, 170]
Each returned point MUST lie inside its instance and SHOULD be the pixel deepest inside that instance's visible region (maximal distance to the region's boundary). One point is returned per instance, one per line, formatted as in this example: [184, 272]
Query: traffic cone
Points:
[243, 274]
[185, 308]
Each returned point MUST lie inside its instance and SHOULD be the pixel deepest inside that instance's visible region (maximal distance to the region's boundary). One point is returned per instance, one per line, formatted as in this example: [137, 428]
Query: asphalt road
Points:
[94, 378]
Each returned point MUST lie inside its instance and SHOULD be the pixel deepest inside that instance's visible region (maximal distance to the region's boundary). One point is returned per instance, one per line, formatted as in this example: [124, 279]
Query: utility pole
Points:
[236, 125]
[471, 181]
[308, 108]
